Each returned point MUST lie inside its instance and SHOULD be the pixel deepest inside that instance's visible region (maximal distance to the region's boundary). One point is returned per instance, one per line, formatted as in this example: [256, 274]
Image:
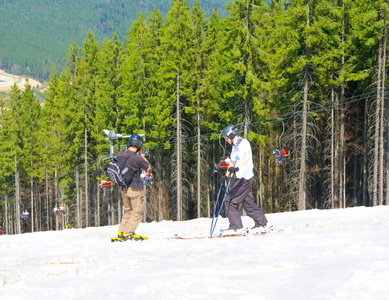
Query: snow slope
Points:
[316, 254]
[7, 81]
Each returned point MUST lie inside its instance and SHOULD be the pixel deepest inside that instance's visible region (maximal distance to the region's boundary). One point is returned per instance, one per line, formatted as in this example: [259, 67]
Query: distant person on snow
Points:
[133, 200]
[242, 165]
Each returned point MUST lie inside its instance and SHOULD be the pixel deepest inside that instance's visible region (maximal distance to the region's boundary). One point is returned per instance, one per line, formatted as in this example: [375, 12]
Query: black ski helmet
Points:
[135, 140]
[230, 131]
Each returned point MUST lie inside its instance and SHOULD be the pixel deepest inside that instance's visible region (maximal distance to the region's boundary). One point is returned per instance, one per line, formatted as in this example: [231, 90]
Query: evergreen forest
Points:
[35, 34]
[308, 76]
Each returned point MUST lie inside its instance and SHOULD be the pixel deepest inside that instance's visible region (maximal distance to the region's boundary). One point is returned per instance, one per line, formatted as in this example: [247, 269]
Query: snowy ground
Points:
[7, 81]
[331, 254]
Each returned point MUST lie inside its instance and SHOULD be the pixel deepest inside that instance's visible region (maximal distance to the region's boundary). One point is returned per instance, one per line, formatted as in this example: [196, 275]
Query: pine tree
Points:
[368, 23]
[175, 72]
[14, 124]
[87, 77]
[6, 162]
[49, 140]
[157, 112]
[134, 82]
[195, 100]
[109, 80]
[30, 114]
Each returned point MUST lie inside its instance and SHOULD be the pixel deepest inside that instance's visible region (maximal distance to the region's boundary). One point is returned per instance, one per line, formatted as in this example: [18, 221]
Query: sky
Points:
[312, 254]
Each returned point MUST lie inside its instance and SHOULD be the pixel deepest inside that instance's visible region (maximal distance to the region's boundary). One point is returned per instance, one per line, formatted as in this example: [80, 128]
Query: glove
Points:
[222, 179]
[233, 169]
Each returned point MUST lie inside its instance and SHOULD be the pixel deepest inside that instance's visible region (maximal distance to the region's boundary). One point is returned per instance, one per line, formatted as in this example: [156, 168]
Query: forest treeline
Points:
[36, 34]
[308, 76]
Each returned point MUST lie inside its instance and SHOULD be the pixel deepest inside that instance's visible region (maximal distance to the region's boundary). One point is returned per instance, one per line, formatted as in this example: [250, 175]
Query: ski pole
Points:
[221, 205]
[214, 208]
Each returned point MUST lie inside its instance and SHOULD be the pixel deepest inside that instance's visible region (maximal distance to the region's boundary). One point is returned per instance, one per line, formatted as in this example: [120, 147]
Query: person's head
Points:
[230, 133]
[135, 141]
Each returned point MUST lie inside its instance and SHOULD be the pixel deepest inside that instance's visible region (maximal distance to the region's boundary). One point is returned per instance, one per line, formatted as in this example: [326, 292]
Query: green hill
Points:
[36, 34]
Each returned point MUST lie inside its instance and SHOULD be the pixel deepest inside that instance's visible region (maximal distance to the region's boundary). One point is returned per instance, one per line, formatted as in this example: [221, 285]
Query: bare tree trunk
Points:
[98, 208]
[303, 172]
[56, 196]
[383, 98]
[6, 210]
[356, 170]
[337, 164]
[64, 216]
[261, 187]
[198, 162]
[160, 189]
[103, 198]
[86, 173]
[364, 178]
[246, 117]
[47, 198]
[377, 129]
[179, 175]
[17, 195]
[302, 178]
[381, 151]
[342, 157]
[382, 125]
[208, 200]
[342, 161]
[269, 194]
[332, 149]
[387, 168]
[32, 198]
[110, 206]
[79, 224]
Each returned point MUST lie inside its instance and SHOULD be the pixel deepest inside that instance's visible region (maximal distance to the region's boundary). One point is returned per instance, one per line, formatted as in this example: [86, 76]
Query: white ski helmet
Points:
[230, 132]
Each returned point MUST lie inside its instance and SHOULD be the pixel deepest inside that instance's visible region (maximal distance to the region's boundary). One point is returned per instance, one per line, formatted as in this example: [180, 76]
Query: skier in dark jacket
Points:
[242, 165]
[132, 196]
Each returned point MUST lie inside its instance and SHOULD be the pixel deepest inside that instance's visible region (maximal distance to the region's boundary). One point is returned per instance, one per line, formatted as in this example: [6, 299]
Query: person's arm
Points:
[144, 157]
[231, 164]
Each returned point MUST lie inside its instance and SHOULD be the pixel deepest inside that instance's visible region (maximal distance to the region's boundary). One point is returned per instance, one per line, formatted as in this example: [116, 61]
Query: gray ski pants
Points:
[241, 194]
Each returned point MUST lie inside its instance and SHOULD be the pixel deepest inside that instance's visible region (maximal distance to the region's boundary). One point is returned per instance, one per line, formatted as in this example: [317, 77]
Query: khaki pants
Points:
[133, 203]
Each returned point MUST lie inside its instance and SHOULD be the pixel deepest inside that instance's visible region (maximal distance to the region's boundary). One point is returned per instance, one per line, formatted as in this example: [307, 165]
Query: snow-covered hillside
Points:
[331, 254]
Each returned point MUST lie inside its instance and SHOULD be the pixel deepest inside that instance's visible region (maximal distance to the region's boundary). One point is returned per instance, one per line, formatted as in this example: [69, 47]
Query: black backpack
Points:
[119, 172]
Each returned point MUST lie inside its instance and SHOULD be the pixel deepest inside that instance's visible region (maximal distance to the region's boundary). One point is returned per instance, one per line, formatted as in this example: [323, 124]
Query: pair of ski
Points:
[178, 237]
